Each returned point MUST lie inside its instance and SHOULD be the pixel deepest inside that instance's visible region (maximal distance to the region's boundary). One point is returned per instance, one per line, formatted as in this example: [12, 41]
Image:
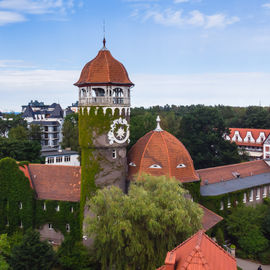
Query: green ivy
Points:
[91, 124]
[194, 190]
[15, 189]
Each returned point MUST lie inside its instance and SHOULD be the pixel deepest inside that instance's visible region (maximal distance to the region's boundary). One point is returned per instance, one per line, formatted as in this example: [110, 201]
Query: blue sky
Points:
[175, 51]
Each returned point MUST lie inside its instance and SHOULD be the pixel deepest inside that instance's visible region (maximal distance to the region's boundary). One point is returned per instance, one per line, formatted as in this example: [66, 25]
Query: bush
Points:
[264, 257]
[239, 268]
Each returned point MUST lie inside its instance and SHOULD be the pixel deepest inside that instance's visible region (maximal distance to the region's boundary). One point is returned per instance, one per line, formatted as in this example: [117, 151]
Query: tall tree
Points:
[70, 132]
[32, 254]
[35, 133]
[18, 133]
[135, 231]
[202, 131]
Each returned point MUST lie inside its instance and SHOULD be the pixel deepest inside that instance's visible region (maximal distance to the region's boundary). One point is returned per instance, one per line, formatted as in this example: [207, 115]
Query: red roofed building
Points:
[160, 153]
[199, 252]
[256, 142]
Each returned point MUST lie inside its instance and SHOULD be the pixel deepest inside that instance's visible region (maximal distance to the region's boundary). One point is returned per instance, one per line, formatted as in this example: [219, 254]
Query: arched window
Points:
[118, 96]
[83, 91]
[99, 92]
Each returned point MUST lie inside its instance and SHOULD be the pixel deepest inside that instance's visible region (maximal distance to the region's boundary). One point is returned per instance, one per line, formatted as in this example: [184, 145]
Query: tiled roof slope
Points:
[56, 182]
[199, 252]
[104, 69]
[255, 134]
[163, 149]
[229, 172]
[28, 112]
[25, 170]
[209, 219]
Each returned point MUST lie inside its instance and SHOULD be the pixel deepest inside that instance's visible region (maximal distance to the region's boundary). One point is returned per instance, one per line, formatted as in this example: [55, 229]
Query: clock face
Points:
[119, 132]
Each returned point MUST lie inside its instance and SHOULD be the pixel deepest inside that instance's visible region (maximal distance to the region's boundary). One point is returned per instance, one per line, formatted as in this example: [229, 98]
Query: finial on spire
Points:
[158, 128]
[104, 39]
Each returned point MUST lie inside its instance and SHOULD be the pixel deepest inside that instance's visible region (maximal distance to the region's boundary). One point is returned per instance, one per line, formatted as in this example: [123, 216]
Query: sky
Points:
[178, 52]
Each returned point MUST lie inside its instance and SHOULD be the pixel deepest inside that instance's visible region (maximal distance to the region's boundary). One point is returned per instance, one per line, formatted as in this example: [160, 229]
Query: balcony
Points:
[107, 101]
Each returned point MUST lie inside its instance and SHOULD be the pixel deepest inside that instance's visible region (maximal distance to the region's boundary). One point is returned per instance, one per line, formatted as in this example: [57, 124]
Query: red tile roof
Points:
[199, 252]
[163, 149]
[255, 134]
[56, 182]
[209, 219]
[229, 172]
[104, 69]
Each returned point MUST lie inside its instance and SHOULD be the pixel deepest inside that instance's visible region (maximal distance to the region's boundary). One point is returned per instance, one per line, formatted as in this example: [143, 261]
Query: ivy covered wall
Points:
[19, 206]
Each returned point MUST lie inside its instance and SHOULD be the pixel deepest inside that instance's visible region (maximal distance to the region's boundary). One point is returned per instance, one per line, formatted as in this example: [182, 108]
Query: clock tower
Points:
[104, 112]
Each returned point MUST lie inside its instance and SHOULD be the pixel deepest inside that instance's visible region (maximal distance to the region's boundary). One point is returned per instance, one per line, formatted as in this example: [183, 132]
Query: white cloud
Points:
[6, 63]
[16, 10]
[10, 17]
[266, 5]
[235, 89]
[170, 17]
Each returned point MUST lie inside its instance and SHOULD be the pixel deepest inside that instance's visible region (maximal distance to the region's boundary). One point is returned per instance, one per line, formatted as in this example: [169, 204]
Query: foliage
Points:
[20, 150]
[220, 236]
[73, 255]
[70, 132]
[135, 231]
[32, 253]
[244, 225]
[15, 189]
[18, 133]
[35, 133]
[68, 214]
[4, 252]
[13, 120]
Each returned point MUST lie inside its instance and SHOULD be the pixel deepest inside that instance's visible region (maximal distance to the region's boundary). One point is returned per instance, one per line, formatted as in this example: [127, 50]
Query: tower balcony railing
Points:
[109, 101]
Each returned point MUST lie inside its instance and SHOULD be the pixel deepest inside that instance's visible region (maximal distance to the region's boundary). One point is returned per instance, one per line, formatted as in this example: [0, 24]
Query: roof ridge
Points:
[231, 165]
[107, 65]
[169, 161]
[209, 210]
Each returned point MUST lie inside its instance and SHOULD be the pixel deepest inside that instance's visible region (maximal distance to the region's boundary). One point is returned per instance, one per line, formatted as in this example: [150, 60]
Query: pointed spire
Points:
[158, 128]
[104, 44]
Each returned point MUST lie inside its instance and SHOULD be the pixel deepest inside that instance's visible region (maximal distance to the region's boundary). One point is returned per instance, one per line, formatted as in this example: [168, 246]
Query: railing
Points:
[104, 101]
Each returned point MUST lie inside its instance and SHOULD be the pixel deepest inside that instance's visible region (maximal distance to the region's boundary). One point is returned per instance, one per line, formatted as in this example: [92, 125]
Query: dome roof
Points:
[160, 153]
[104, 69]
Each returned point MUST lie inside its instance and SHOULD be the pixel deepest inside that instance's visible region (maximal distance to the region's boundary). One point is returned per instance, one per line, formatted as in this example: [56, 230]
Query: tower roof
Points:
[199, 252]
[28, 112]
[104, 69]
[160, 153]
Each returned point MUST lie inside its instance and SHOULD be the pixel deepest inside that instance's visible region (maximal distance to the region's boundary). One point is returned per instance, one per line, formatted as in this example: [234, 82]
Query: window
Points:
[245, 198]
[67, 158]
[20, 205]
[57, 208]
[59, 159]
[251, 195]
[71, 209]
[258, 194]
[155, 166]
[114, 154]
[7, 223]
[264, 191]
[44, 207]
[229, 203]
[50, 160]
[221, 205]
[182, 165]
[50, 226]
[21, 225]
[68, 227]
[267, 148]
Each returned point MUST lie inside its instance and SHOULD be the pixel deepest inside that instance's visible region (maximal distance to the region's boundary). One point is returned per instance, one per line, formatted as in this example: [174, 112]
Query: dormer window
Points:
[132, 164]
[155, 166]
[181, 165]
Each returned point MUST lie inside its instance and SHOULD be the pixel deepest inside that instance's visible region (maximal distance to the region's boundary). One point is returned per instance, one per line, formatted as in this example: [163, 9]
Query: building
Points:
[61, 157]
[199, 252]
[255, 142]
[49, 118]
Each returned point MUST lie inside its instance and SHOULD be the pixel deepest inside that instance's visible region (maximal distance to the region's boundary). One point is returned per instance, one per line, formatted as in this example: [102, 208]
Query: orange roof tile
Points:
[228, 172]
[56, 182]
[25, 170]
[104, 69]
[255, 134]
[199, 252]
[163, 149]
[209, 219]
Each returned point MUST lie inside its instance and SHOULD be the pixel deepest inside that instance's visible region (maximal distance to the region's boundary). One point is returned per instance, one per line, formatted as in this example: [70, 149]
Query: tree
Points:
[135, 231]
[32, 253]
[4, 252]
[73, 255]
[35, 133]
[70, 132]
[18, 133]
[20, 150]
[202, 131]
